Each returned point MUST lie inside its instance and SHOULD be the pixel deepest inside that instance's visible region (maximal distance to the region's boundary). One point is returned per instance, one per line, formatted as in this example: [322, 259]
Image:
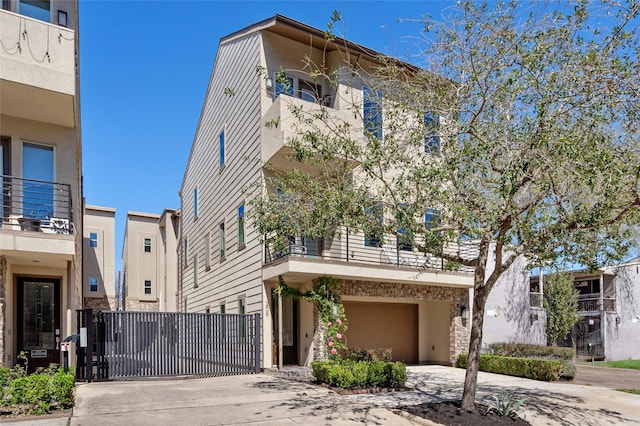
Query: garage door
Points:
[384, 325]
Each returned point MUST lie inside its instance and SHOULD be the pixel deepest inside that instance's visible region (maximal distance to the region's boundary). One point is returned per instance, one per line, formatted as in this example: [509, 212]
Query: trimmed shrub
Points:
[523, 350]
[530, 368]
[568, 370]
[360, 374]
[362, 354]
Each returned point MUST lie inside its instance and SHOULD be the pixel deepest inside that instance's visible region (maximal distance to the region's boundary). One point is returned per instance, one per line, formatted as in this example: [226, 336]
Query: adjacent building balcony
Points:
[37, 70]
[535, 300]
[351, 256]
[36, 217]
[595, 304]
[280, 124]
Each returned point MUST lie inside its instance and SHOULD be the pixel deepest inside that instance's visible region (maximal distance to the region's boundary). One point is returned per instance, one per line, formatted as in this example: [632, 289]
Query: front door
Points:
[289, 329]
[39, 320]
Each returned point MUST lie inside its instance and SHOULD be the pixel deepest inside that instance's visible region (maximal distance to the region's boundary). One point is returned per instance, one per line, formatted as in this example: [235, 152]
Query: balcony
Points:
[37, 70]
[594, 304]
[279, 125]
[36, 206]
[348, 257]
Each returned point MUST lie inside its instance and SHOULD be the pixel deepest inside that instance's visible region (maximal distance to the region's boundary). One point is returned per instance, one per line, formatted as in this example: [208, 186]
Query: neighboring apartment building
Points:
[40, 175]
[150, 261]
[609, 312]
[389, 301]
[98, 259]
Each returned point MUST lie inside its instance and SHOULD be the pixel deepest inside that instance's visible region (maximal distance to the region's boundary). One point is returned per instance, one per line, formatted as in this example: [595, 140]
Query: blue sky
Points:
[144, 70]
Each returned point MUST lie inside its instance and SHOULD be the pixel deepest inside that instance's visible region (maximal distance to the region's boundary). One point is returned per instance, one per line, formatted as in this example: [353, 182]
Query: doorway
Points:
[39, 320]
[289, 329]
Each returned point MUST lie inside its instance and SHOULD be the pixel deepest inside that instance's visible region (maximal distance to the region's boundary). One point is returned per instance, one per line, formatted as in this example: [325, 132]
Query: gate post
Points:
[256, 342]
[89, 350]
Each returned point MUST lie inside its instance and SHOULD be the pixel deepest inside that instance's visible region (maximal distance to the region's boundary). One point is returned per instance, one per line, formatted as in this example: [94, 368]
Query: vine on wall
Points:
[330, 310]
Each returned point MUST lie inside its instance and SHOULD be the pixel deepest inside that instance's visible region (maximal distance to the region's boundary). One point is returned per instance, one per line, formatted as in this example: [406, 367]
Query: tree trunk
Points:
[475, 342]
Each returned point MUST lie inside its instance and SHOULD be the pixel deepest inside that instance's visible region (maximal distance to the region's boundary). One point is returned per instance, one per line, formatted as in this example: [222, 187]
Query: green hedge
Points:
[40, 393]
[360, 374]
[530, 368]
[523, 350]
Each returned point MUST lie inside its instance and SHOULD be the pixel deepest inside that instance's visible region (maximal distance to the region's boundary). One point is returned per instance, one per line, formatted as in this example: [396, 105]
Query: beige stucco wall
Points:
[139, 265]
[99, 261]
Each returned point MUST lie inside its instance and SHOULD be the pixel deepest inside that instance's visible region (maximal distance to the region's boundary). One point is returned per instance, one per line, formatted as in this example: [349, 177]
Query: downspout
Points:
[603, 316]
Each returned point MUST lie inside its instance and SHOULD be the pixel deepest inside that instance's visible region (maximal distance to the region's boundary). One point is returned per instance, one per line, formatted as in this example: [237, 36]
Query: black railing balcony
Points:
[34, 205]
[592, 304]
[356, 248]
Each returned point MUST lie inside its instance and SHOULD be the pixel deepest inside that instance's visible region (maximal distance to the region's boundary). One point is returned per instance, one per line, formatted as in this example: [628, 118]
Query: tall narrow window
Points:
[93, 239]
[147, 286]
[185, 251]
[195, 203]
[195, 270]
[93, 284]
[222, 149]
[37, 189]
[223, 242]
[372, 236]
[207, 252]
[241, 225]
[432, 218]
[372, 113]
[404, 238]
[431, 135]
[147, 245]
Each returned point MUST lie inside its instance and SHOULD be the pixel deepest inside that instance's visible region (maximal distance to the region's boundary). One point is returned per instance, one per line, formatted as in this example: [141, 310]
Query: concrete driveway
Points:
[268, 400]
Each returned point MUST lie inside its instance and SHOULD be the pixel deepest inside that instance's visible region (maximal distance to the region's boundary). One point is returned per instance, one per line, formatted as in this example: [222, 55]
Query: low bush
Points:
[362, 354]
[349, 374]
[40, 393]
[530, 368]
[523, 350]
[568, 370]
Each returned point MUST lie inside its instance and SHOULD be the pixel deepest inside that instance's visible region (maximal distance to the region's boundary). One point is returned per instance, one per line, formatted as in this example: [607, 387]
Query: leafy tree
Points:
[537, 151]
[561, 303]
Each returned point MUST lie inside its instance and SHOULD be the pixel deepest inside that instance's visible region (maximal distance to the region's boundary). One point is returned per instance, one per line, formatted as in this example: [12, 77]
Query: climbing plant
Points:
[330, 310]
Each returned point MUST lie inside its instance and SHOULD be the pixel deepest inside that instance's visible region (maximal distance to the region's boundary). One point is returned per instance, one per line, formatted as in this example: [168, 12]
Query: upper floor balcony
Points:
[37, 70]
[280, 124]
[352, 256]
[36, 217]
[593, 303]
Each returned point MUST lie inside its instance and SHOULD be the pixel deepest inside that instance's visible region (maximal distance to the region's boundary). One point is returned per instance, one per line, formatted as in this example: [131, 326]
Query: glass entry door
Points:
[39, 321]
[289, 329]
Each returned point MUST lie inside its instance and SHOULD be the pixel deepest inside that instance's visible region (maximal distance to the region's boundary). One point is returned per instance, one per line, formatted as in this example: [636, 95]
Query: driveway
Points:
[268, 400]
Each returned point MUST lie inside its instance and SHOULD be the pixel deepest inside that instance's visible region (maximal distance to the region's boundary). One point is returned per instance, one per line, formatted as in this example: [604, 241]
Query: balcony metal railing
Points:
[34, 205]
[592, 304]
[354, 248]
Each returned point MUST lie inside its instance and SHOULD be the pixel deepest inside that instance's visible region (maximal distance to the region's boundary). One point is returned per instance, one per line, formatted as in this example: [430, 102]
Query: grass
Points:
[631, 363]
[633, 391]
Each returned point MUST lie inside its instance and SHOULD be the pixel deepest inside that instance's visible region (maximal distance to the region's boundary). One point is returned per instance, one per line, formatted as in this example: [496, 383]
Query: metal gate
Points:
[121, 345]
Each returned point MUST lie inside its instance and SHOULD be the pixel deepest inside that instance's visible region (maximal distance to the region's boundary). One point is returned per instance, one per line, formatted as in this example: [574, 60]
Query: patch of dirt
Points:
[450, 414]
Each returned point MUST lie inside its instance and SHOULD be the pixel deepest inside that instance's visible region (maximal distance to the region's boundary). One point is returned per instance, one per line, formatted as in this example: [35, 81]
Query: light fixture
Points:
[269, 83]
[464, 312]
[62, 18]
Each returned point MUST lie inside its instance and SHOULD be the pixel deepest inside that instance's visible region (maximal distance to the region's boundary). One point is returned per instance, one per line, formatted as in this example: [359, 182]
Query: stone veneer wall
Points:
[3, 282]
[141, 306]
[458, 328]
[97, 303]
